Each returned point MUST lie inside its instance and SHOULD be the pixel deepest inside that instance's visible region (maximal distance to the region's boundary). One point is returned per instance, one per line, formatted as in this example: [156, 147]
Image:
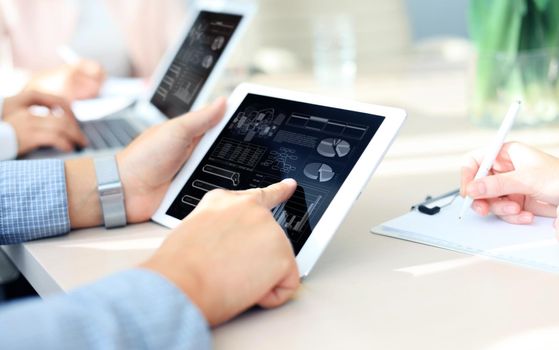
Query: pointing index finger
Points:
[277, 193]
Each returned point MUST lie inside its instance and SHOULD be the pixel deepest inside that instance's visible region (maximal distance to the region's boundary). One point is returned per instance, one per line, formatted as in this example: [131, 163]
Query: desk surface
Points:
[366, 291]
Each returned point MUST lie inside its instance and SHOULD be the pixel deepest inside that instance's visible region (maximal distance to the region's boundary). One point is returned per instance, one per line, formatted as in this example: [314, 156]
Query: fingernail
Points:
[525, 218]
[477, 208]
[510, 209]
[289, 181]
[476, 189]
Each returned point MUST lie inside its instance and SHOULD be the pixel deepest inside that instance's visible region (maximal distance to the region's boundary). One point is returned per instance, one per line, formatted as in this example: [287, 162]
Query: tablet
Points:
[330, 147]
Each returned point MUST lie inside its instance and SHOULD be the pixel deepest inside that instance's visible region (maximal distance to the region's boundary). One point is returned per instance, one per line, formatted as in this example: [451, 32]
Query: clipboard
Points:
[436, 224]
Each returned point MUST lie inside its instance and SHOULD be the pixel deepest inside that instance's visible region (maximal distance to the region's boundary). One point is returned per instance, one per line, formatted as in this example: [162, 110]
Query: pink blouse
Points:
[36, 28]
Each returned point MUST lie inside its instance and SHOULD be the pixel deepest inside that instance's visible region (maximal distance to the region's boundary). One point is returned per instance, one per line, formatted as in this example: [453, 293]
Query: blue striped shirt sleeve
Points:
[135, 309]
[33, 200]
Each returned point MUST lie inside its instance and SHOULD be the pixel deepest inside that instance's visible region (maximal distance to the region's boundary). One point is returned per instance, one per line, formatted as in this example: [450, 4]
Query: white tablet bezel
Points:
[245, 9]
[348, 192]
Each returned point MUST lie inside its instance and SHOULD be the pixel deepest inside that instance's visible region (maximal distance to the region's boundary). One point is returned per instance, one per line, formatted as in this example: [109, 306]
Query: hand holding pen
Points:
[77, 79]
[522, 182]
[492, 151]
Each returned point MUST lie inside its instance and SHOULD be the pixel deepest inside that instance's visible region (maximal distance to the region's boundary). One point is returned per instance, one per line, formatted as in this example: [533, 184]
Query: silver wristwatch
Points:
[110, 191]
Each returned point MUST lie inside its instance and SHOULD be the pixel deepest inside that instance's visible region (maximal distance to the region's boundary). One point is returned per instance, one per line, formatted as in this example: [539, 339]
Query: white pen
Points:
[493, 150]
[68, 55]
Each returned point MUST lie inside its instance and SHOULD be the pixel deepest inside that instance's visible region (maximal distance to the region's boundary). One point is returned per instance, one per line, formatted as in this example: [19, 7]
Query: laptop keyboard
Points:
[108, 133]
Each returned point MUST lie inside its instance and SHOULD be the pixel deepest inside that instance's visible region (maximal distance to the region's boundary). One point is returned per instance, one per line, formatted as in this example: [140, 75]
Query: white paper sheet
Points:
[129, 87]
[116, 95]
[100, 107]
[533, 246]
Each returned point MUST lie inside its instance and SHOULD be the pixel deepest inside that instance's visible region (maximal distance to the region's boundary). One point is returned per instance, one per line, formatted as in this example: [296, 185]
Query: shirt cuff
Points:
[150, 309]
[33, 200]
[8, 141]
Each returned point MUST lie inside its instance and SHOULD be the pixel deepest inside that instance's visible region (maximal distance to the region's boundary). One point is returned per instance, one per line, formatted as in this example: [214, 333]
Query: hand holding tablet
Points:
[330, 147]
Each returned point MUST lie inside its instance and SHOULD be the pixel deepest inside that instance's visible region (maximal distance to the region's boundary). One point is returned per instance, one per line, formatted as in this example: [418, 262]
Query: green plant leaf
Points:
[541, 4]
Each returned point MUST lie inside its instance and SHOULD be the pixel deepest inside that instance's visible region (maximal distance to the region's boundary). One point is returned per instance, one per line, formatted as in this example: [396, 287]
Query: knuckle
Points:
[498, 184]
[48, 137]
[251, 197]
[245, 205]
[469, 162]
[32, 94]
[284, 247]
[260, 195]
[216, 194]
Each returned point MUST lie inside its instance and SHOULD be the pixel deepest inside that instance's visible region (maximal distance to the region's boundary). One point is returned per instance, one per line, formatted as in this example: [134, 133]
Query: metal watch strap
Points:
[110, 191]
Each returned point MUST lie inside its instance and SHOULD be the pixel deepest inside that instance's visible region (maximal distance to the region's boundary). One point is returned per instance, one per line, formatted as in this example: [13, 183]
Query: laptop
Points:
[182, 81]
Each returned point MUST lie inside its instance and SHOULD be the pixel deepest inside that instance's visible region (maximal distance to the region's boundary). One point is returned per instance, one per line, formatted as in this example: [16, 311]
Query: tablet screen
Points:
[269, 139]
[208, 37]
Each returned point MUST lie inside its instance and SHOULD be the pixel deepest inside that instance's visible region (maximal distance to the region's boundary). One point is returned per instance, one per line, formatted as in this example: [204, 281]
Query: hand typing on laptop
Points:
[57, 128]
[523, 182]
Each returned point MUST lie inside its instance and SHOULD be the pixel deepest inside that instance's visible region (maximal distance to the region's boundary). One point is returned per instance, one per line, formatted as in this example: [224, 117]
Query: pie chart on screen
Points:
[319, 171]
[333, 147]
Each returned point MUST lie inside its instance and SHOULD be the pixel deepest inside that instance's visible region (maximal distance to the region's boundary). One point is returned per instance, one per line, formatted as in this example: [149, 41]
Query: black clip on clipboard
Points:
[432, 206]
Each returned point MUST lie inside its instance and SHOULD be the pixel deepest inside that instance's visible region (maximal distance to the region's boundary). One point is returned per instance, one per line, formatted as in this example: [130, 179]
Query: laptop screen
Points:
[194, 62]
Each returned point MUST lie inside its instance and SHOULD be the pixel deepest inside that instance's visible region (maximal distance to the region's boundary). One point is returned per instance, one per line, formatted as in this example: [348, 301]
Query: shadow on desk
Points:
[16, 289]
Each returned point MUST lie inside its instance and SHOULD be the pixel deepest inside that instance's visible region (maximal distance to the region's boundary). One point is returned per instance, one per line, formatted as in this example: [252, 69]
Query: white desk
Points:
[366, 291]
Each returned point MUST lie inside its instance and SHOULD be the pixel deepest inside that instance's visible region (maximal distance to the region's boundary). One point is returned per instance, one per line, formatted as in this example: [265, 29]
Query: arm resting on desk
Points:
[45, 198]
[136, 309]
[33, 200]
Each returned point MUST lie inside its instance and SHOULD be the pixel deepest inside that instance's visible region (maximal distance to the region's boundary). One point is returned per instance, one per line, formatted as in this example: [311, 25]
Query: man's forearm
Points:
[130, 310]
[45, 198]
[34, 200]
[83, 199]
